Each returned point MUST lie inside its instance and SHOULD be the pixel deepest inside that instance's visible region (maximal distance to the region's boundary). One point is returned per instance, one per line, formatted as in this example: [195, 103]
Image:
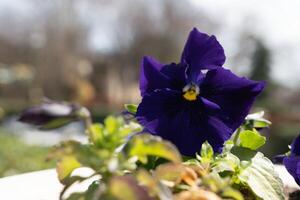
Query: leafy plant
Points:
[144, 166]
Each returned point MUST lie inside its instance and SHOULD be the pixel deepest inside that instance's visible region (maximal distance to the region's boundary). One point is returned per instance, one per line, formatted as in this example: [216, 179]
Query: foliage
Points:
[18, 157]
[144, 166]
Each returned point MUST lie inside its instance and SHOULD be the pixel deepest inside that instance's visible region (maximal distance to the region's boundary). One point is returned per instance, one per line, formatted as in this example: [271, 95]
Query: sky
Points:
[277, 22]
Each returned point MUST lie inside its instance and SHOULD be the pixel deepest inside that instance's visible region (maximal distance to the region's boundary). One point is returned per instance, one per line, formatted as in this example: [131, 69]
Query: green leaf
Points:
[214, 181]
[256, 120]
[145, 145]
[227, 162]
[96, 133]
[261, 123]
[65, 167]
[86, 154]
[132, 108]
[126, 187]
[93, 191]
[111, 124]
[206, 153]
[233, 194]
[228, 144]
[113, 133]
[261, 177]
[57, 123]
[251, 139]
[244, 154]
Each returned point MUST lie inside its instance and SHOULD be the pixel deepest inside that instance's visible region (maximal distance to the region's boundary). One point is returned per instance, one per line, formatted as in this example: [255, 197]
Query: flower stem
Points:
[236, 136]
[85, 115]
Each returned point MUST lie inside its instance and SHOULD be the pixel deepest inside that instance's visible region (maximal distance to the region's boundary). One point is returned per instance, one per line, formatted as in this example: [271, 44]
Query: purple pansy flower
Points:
[292, 161]
[50, 114]
[195, 100]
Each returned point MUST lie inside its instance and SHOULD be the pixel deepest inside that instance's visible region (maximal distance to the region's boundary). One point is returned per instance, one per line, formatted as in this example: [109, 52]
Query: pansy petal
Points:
[166, 114]
[217, 132]
[194, 76]
[235, 95]
[295, 146]
[278, 159]
[210, 106]
[202, 51]
[47, 112]
[180, 131]
[189, 129]
[150, 77]
[155, 104]
[292, 164]
[176, 73]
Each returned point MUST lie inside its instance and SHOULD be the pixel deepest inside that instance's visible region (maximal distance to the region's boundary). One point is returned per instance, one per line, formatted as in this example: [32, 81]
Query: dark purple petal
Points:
[292, 161]
[166, 114]
[278, 159]
[177, 75]
[194, 77]
[48, 112]
[34, 116]
[295, 146]
[235, 95]
[210, 106]
[292, 164]
[188, 129]
[156, 104]
[202, 52]
[150, 77]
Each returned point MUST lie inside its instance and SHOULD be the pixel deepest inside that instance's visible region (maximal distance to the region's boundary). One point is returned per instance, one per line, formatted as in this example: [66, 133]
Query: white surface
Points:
[40, 185]
[44, 185]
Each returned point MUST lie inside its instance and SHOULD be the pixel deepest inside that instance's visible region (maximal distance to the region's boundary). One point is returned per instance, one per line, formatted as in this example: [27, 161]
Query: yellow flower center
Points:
[190, 92]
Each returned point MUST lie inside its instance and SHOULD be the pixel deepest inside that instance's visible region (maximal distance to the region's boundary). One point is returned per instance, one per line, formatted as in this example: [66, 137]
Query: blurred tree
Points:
[57, 59]
[260, 70]
[53, 37]
[260, 62]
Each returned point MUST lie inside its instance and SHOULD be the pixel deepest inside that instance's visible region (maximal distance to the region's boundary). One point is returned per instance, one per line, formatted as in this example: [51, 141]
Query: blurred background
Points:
[89, 52]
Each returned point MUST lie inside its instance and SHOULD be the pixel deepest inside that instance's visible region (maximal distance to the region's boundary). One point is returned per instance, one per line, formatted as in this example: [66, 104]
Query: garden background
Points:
[89, 52]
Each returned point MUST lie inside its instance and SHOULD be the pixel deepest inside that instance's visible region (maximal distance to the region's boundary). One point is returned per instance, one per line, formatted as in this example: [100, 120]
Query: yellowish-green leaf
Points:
[65, 167]
[251, 139]
[96, 131]
[111, 124]
[233, 194]
[132, 108]
[206, 153]
[228, 162]
[145, 145]
[57, 123]
[261, 123]
[126, 187]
